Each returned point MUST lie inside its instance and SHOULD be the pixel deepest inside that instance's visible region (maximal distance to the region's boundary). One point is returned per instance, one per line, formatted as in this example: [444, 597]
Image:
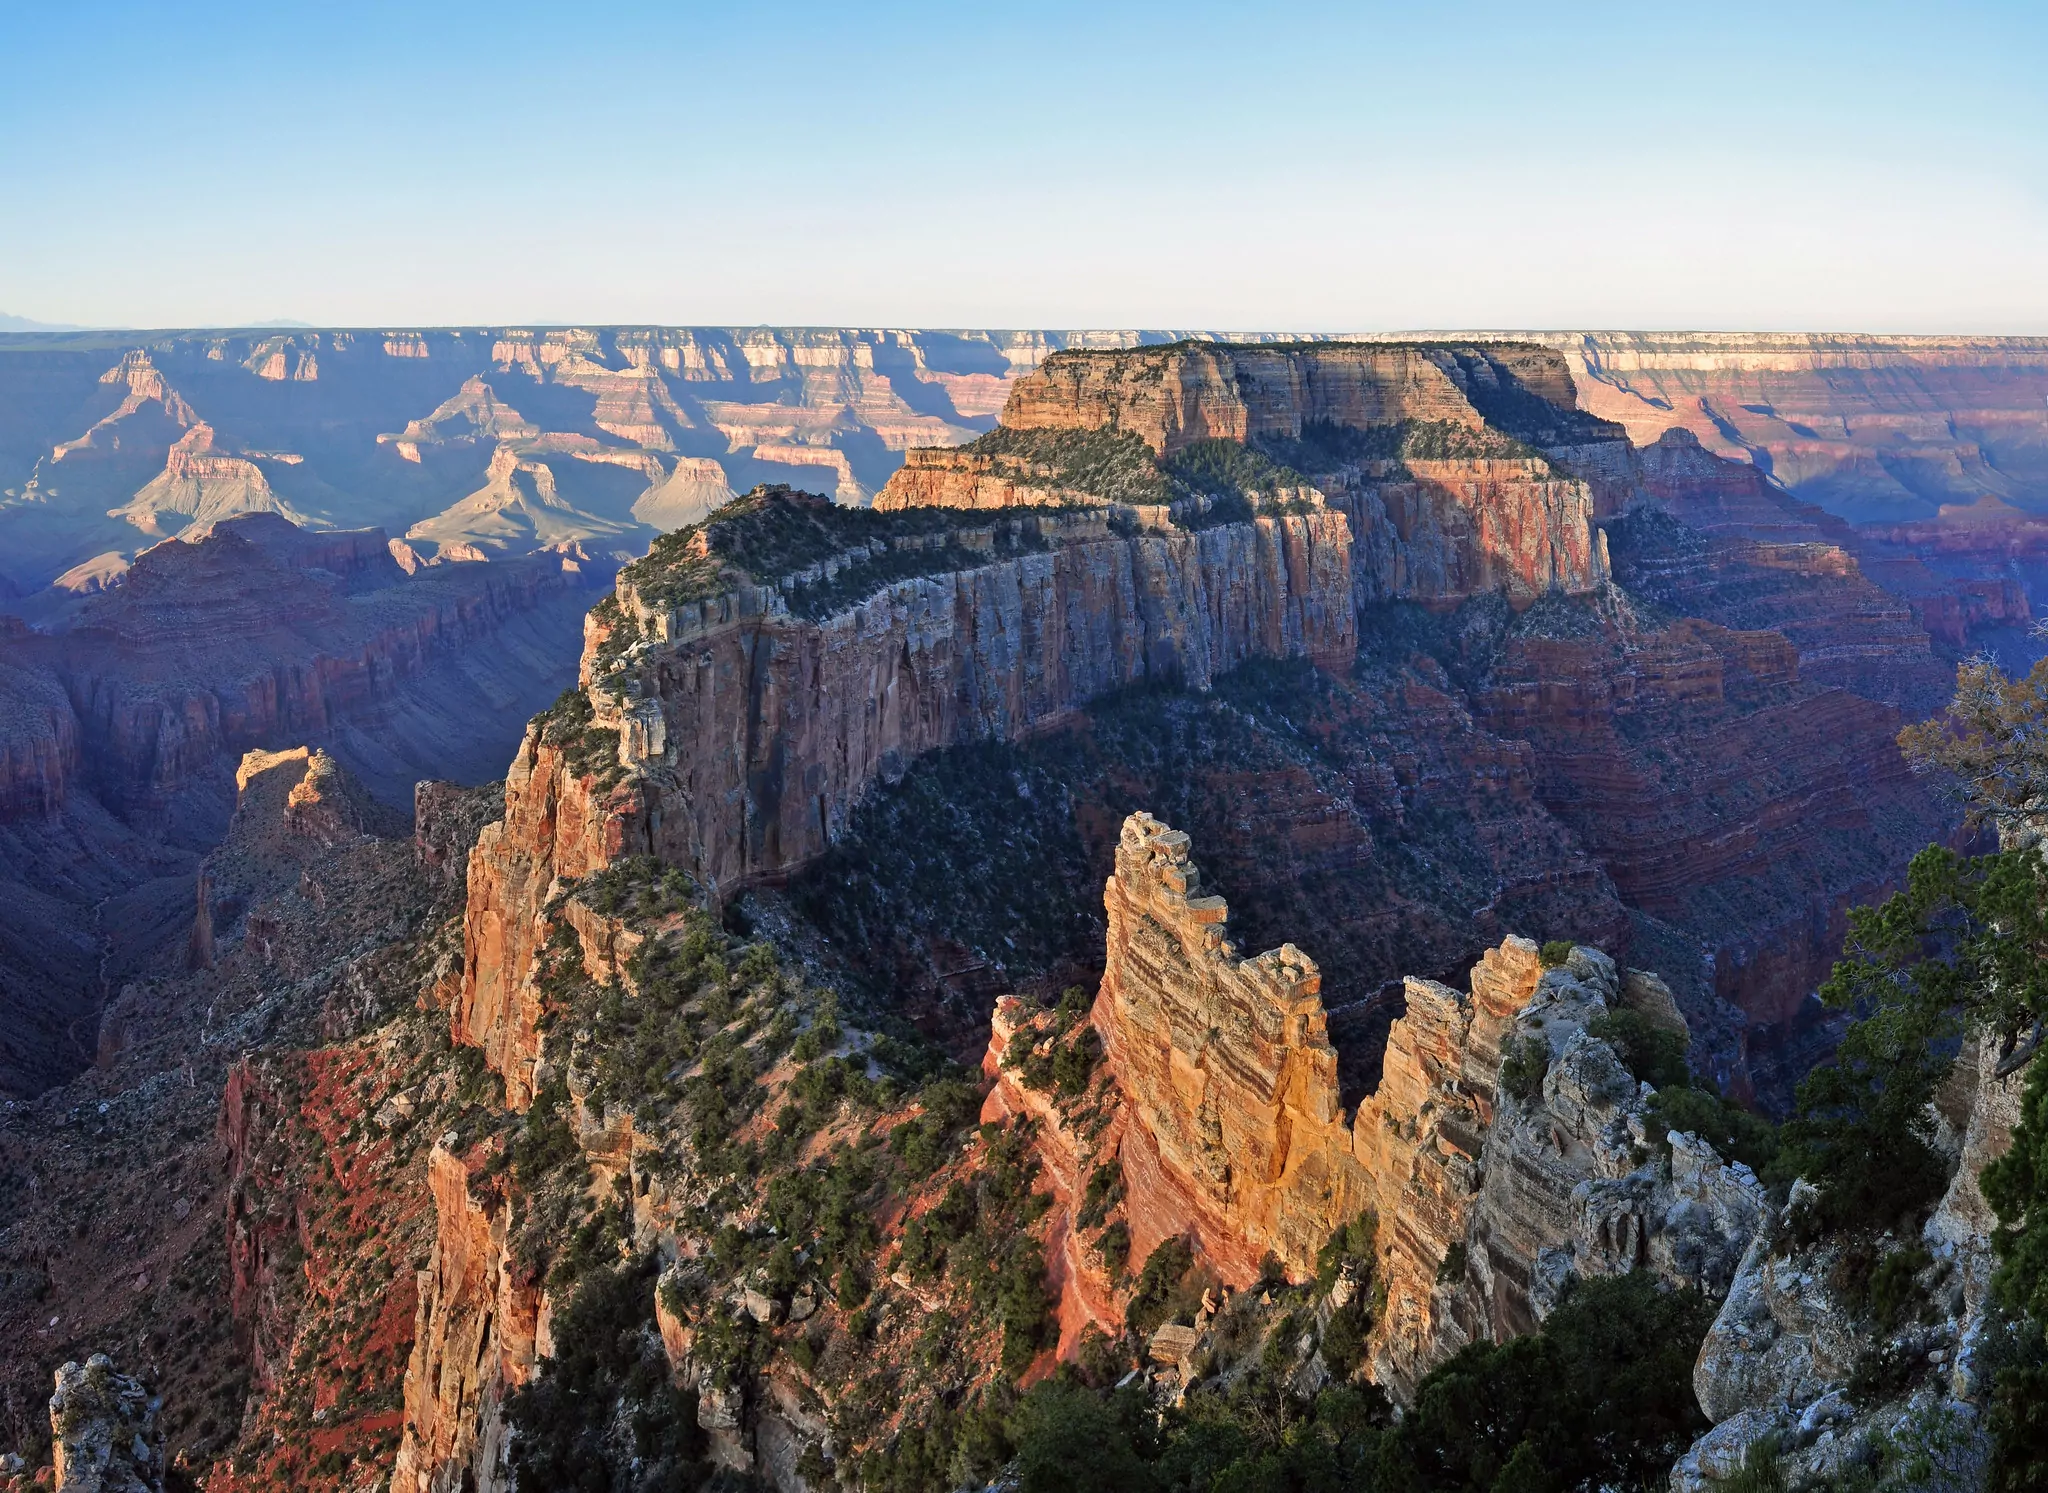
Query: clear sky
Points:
[1868, 166]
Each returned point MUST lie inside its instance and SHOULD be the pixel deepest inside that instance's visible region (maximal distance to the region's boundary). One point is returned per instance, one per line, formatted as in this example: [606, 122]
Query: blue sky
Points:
[1309, 167]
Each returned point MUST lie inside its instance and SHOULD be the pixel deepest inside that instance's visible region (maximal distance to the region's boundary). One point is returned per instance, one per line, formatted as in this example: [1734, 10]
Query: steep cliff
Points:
[473, 1340]
[1489, 1194]
[749, 703]
[1235, 1131]
[1422, 447]
[121, 726]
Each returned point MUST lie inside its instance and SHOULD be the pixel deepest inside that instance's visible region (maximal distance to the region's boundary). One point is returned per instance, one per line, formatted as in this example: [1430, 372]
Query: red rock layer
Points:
[1441, 531]
[473, 1340]
[1434, 530]
[1720, 792]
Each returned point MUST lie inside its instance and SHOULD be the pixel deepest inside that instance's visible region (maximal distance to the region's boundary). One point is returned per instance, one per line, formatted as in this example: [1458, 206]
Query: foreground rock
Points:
[1794, 1372]
[103, 1427]
[1228, 1130]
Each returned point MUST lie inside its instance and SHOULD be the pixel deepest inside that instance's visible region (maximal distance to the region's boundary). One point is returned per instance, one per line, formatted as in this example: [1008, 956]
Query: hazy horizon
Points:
[1868, 168]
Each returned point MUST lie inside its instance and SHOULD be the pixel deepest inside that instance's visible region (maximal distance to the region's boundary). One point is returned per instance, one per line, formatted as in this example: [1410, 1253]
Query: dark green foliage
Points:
[1964, 945]
[571, 1432]
[926, 1238]
[1883, 1371]
[1601, 1398]
[2016, 1186]
[1451, 1269]
[1111, 465]
[1760, 1471]
[1017, 1291]
[1234, 480]
[828, 1209]
[1325, 447]
[1556, 953]
[1350, 1245]
[1070, 1440]
[1654, 1054]
[1343, 1346]
[590, 750]
[546, 1139]
[1731, 1130]
[922, 1143]
[1153, 1297]
[1115, 1248]
[1895, 1296]
[1524, 1063]
[2017, 1364]
[1862, 1131]
[772, 532]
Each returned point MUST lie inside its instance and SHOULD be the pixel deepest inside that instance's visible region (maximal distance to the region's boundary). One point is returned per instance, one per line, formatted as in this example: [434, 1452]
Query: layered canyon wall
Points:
[120, 729]
[1487, 513]
[1228, 1131]
[752, 731]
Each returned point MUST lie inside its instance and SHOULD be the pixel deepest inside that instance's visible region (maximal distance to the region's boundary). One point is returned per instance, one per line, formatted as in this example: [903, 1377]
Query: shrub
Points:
[1344, 1339]
[1152, 1296]
[1350, 1245]
[1115, 1248]
[1452, 1269]
[1525, 1061]
[1654, 1054]
[1556, 953]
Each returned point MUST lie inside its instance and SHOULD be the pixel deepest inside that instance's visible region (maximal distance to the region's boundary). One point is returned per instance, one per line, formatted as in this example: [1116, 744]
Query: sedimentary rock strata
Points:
[473, 1341]
[1229, 1131]
[1485, 513]
[752, 731]
[1235, 1131]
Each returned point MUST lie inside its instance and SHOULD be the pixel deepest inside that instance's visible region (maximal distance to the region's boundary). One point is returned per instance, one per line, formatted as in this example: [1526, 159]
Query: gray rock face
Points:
[1781, 1339]
[104, 1428]
[1772, 1370]
[1571, 1185]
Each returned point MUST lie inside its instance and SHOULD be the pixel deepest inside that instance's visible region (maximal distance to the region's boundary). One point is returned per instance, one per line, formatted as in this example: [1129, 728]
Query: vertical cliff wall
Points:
[1431, 450]
[1235, 1132]
[747, 730]
[1488, 1202]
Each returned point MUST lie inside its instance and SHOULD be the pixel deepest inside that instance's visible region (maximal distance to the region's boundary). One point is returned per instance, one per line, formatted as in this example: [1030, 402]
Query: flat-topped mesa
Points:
[1173, 396]
[1434, 452]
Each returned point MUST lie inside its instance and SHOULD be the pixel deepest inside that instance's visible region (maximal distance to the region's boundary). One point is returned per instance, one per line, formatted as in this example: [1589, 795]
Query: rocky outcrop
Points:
[1488, 514]
[1235, 1133]
[1229, 1131]
[559, 825]
[473, 1341]
[1570, 1182]
[1774, 1370]
[752, 731]
[1443, 530]
[104, 1433]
